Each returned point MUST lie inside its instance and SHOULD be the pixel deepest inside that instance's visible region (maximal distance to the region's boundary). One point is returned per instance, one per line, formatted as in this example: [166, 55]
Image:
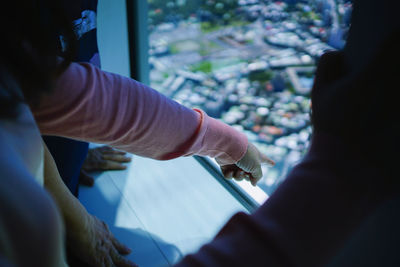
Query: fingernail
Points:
[269, 163]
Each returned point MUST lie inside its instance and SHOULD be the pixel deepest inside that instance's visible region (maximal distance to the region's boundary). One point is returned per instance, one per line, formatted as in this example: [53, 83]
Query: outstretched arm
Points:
[96, 106]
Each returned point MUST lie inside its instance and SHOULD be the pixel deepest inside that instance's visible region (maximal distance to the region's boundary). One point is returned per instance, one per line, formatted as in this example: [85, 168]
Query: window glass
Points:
[249, 63]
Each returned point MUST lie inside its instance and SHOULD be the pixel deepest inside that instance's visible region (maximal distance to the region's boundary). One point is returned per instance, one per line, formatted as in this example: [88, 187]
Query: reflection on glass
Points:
[250, 63]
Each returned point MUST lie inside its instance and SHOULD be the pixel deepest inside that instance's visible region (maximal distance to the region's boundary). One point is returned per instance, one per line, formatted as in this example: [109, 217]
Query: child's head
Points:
[361, 106]
[30, 32]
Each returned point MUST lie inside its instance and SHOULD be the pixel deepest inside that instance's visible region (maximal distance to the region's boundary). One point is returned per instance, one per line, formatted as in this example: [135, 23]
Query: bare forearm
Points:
[88, 237]
[73, 212]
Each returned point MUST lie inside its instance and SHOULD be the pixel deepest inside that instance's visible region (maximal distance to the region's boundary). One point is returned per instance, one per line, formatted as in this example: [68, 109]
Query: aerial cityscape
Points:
[249, 63]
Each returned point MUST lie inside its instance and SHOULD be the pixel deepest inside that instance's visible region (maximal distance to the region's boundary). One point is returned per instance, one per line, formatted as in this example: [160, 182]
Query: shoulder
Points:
[20, 145]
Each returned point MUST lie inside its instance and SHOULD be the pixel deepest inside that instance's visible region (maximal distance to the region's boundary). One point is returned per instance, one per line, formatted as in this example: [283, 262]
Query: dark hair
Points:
[30, 50]
[361, 106]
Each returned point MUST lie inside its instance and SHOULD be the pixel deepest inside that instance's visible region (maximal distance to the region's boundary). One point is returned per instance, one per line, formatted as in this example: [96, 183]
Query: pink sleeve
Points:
[95, 106]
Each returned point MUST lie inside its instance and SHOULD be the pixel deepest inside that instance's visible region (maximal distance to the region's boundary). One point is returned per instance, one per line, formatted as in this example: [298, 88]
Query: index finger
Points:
[121, 248]
[114, 152]
[267, 160]
[119, 260]
[116, 157]
[112, 165]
